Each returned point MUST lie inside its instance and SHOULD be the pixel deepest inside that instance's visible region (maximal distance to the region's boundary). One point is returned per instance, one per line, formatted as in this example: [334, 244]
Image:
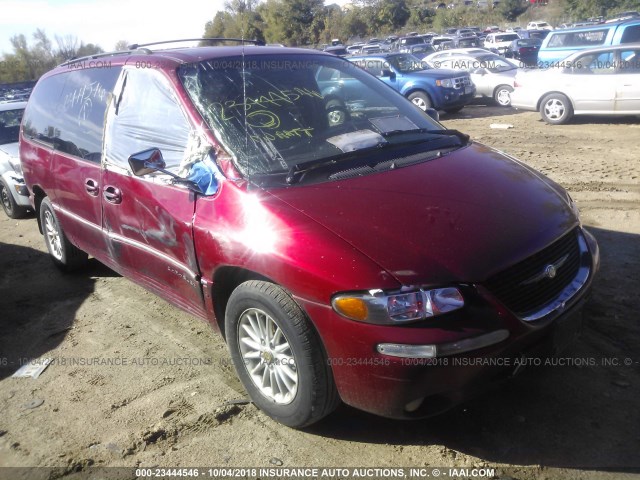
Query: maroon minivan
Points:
[348, 246]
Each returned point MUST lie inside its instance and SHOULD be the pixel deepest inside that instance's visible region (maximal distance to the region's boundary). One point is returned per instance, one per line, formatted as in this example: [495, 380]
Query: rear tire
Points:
[66, 256]
[9, 205]
[556, 109]
[278, 355]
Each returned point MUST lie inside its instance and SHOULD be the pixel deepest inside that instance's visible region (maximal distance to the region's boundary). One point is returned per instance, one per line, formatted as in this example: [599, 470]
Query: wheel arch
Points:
[225, 281]
[415, 89]
[38, 196]
[544, 95]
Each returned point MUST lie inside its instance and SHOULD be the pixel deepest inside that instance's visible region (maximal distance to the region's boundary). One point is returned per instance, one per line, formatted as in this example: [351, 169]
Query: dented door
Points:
[148, 222]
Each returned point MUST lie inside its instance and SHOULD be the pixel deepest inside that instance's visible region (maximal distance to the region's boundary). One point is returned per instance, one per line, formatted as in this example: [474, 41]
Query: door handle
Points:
[112, 195]
[91, 186]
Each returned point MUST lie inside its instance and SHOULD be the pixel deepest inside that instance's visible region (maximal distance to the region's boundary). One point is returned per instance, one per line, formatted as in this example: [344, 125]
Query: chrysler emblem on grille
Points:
[549, 271]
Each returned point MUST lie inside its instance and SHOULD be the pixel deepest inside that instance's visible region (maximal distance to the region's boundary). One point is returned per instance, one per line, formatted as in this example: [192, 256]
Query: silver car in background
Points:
[492, 74]
[599, 81]
[13, 191]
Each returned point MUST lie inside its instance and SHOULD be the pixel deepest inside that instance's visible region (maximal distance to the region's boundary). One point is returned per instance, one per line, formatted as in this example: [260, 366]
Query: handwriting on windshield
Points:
[81, 99]
[284, 134]
[257, 111]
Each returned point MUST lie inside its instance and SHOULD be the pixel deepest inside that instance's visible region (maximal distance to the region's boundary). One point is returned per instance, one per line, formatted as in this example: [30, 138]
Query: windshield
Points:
[275, 113]
[407, 63]
[495, 63]
[10, 125]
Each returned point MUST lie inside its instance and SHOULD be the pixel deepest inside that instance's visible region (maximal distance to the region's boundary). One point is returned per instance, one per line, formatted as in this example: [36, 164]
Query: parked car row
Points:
[600, 81]
[241, 189]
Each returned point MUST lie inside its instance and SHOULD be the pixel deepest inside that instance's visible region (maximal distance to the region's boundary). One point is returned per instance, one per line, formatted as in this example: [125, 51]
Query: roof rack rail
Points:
[96, 55]
[217, 39]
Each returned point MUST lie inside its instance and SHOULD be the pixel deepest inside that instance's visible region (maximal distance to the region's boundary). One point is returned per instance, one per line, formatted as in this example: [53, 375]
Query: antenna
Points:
[244, 101]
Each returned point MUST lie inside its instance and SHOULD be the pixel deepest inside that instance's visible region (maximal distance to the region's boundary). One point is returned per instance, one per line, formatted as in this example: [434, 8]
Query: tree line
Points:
[311, 23]
[30, 61]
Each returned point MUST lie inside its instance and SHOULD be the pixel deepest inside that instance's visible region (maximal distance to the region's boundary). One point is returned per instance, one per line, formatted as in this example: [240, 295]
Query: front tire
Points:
[65, 256]
[9, 205]
[502, 95]
[556, 109]
[420, 100]
[278, 355]
[337, 113]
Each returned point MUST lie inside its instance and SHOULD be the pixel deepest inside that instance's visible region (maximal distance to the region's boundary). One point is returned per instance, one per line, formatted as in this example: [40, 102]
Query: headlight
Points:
[17, 167]
[574, 207]
[376, 306]
[446, 83]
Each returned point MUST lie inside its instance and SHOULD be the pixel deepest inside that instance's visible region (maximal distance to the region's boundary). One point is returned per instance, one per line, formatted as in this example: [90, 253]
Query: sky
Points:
[105, 21]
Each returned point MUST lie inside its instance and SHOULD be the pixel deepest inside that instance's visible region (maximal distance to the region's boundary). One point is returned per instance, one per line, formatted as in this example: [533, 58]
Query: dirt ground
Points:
[172, 400]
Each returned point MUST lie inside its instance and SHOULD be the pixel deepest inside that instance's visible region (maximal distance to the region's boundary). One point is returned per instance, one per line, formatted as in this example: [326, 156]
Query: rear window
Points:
[528, 42]
[507, 38]
[585, 38]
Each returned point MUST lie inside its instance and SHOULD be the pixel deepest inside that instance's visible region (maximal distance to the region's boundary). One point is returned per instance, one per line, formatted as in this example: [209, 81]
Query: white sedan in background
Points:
[13, 191]
[492, 74]
[599, 81]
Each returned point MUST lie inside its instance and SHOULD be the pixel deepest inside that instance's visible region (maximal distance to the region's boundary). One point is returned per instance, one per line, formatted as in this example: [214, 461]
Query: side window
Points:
[630, 61]
[81, 109]
[41, 116]
[374, 67]
[67, 111]
[145, 114]
[557, 40]
[631, 34]
[603, 64]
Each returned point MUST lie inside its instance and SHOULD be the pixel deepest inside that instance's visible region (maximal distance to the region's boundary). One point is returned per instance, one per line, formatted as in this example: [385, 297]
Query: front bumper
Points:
[410, 387]
[524, 98]
[454, 97]
[18, 188]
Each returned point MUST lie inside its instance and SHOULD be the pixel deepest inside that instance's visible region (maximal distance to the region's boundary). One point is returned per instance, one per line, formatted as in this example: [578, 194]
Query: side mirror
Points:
[433, 113]
[149, 161]
[387, 73]
[146, 162]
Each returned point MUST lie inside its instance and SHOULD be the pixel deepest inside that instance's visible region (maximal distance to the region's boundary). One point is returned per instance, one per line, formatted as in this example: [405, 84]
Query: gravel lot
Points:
[171, 401]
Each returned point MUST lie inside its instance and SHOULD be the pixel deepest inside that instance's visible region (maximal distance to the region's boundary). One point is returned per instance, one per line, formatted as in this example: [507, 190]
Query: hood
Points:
[11, 149]
[437, 73]
[459, 218]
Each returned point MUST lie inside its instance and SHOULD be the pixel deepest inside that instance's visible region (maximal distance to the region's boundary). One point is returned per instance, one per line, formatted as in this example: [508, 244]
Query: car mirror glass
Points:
[146, 162]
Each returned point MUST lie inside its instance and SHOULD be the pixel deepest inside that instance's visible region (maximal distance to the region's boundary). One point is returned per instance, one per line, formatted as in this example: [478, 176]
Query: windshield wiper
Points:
[298, 170]
[463, 137]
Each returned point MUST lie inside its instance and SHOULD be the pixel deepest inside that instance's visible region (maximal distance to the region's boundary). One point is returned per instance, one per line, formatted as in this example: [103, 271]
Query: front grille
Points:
[524, 289]
[461, 82]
